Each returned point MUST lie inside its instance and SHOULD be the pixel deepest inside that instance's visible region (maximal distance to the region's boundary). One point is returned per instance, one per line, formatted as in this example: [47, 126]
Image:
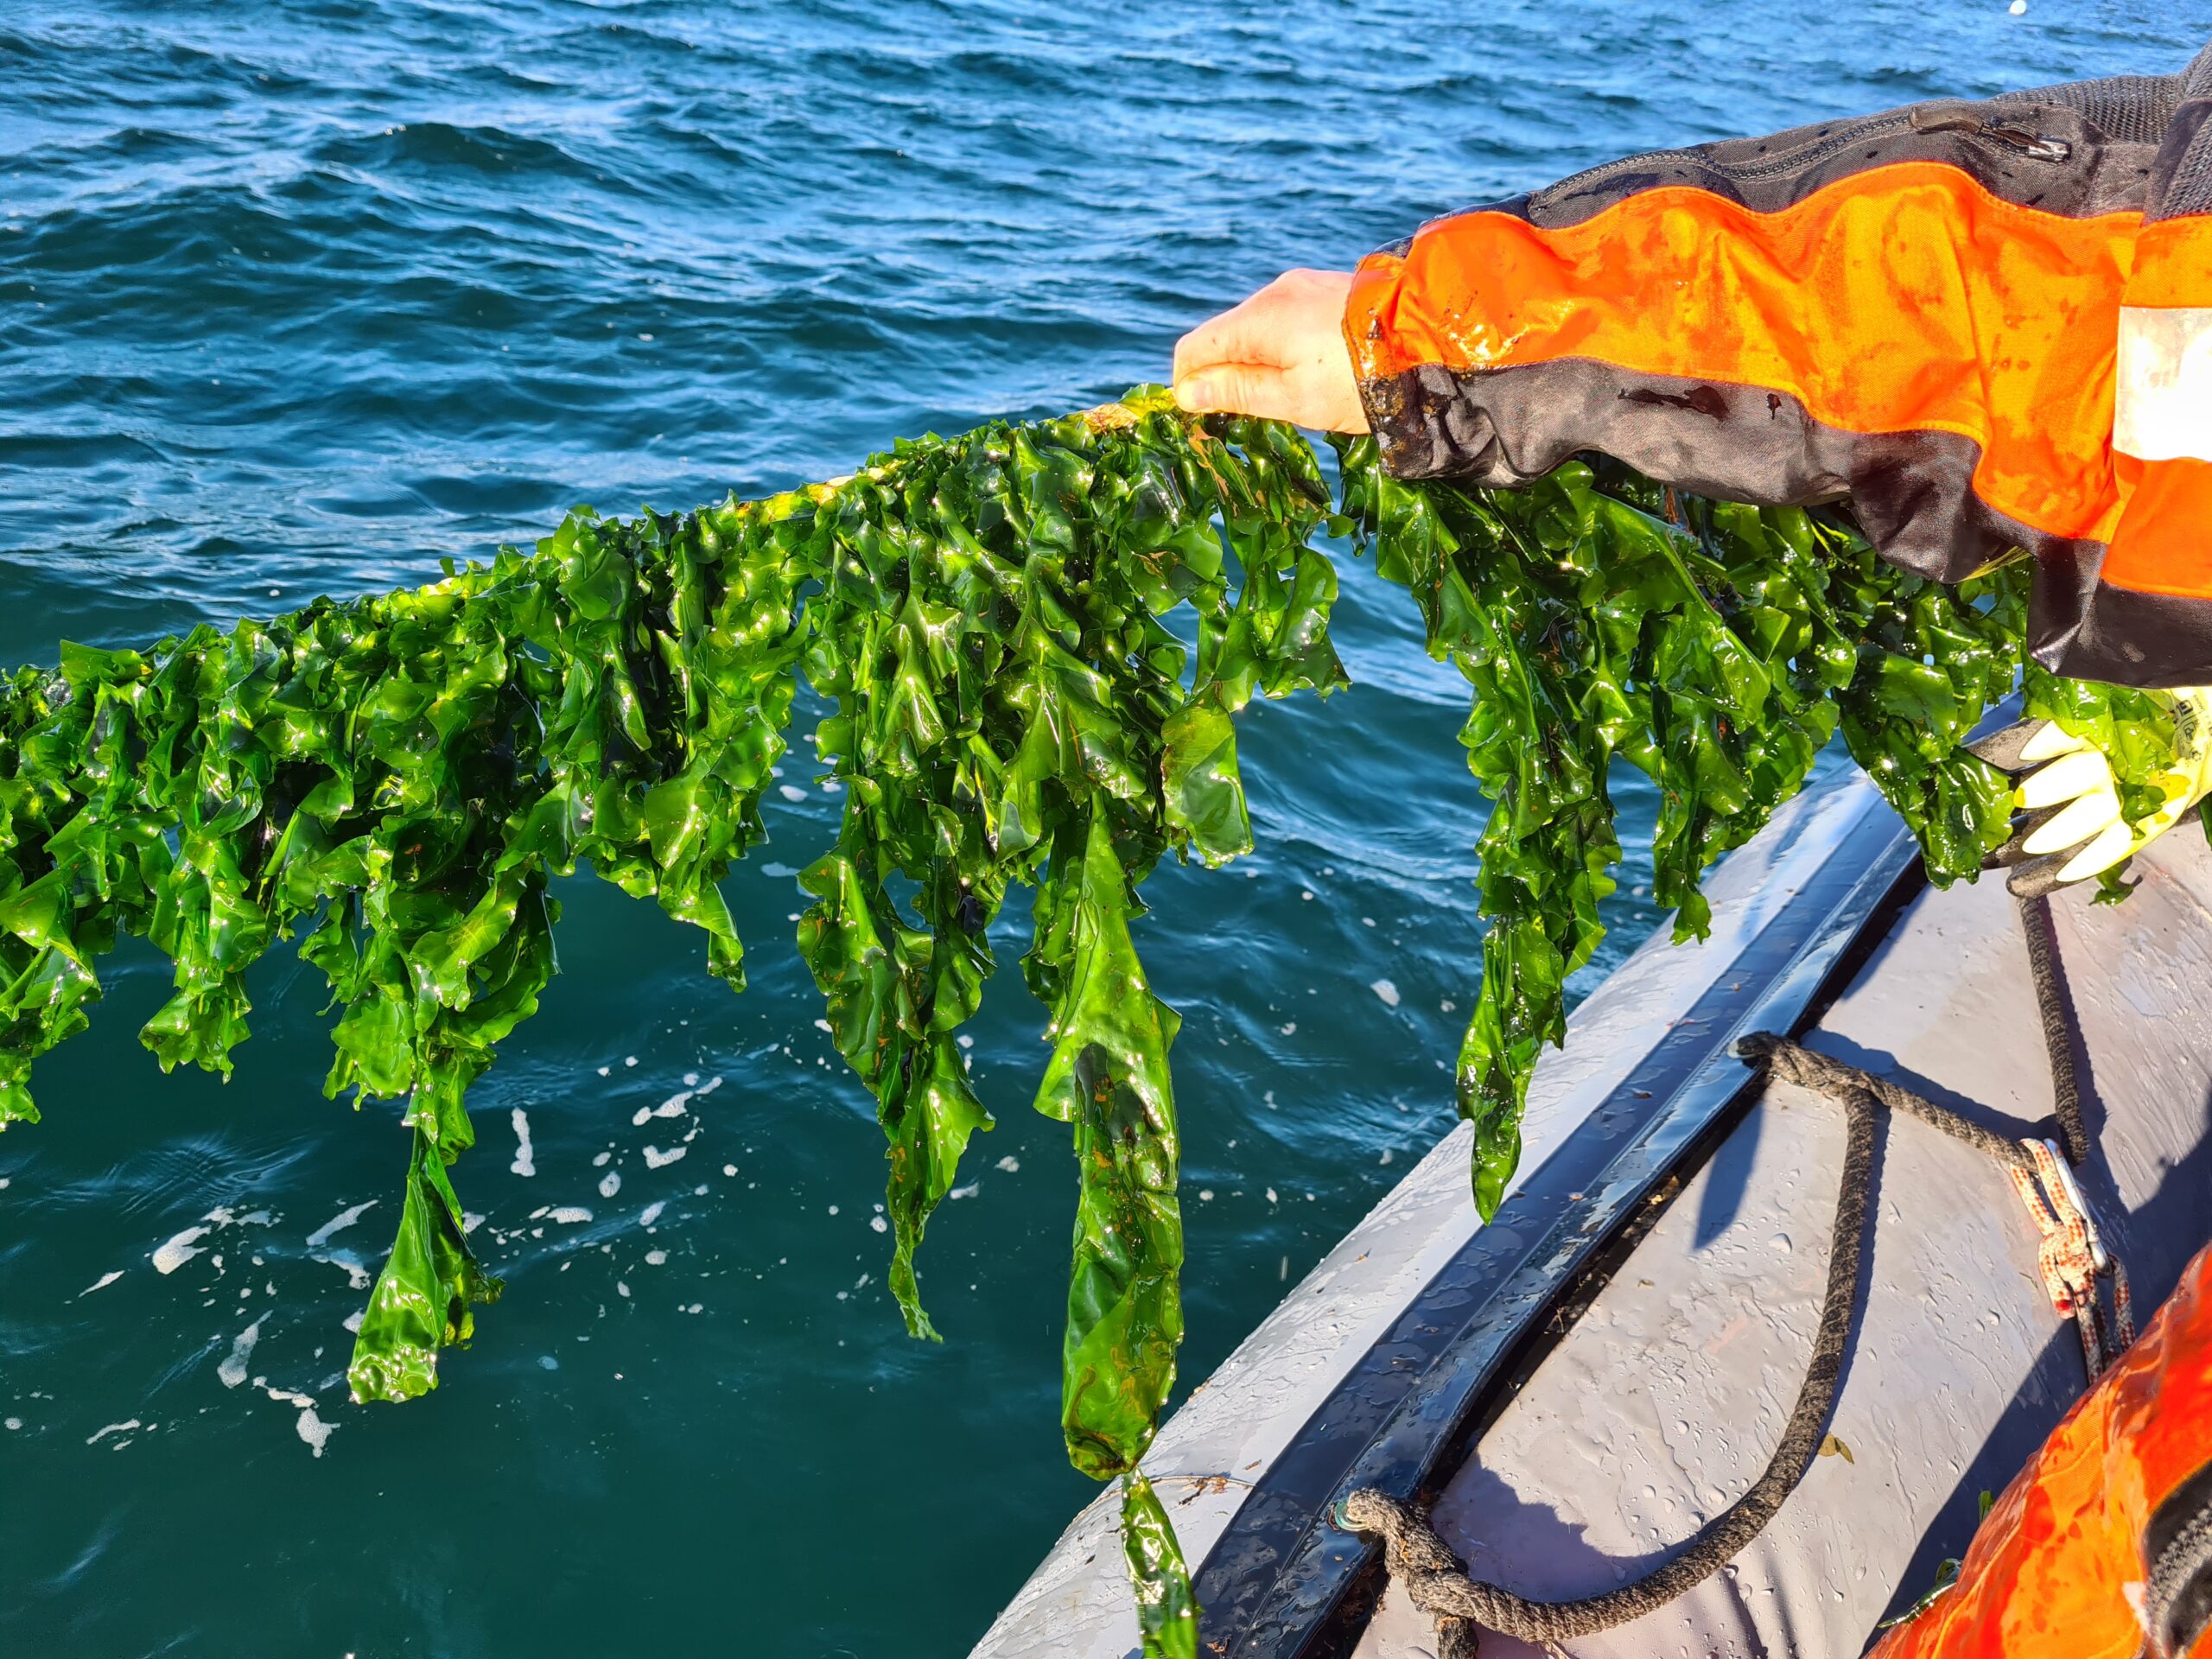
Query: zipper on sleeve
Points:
[1952, 117]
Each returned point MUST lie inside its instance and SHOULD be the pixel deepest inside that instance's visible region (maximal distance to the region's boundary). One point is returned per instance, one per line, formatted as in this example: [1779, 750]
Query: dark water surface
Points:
[298, 297]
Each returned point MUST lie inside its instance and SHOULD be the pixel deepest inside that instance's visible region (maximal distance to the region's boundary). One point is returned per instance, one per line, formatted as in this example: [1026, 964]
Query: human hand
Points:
[1281, 355]
[2070, 824]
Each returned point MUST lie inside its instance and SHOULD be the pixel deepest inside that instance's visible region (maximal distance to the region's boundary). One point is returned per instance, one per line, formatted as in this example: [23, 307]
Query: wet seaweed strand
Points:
[393, 781]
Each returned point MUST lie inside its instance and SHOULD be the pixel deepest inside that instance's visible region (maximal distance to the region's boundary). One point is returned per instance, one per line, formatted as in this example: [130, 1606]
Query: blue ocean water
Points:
[299, 297]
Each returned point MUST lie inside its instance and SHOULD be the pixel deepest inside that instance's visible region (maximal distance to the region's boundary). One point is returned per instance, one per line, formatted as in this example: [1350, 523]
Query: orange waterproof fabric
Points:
[1905, 298]
[2051, 1571]
[2162, 543]
[2173, 263]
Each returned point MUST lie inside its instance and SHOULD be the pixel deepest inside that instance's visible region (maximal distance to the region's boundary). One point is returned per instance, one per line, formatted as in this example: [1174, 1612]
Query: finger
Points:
[1319, 397]
[2090, 816]
[2050, 742]
[2104, 851]
[2040, 876]
[2082, 773]
[2001, 748]
[2023, 743]
[1239, 389]
[2015, 850]
[1247, 333]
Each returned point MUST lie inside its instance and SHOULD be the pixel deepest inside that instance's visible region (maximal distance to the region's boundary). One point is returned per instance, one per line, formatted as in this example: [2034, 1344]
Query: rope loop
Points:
[1440, 1586]
[2071, 1254]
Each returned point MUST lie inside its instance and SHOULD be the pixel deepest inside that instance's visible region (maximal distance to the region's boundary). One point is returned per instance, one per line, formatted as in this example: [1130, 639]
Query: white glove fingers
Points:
[2005, 747]
[2105, 849]
[2050, 741]
[2068, 823]
[2082, 820]
[2071, 776]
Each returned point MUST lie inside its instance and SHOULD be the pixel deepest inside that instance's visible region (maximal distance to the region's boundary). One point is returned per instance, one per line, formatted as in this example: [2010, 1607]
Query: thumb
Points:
[1235, 389]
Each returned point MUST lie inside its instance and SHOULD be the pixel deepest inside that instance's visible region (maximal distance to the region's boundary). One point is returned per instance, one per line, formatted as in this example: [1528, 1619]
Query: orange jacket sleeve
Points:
[1918, 312]
[2101, 1547]
[2158, 566]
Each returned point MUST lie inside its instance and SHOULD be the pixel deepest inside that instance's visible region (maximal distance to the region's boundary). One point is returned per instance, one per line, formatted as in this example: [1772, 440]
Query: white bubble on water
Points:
[178, 1250]
[312, 1429]
[338, 1224]
[232, 1372]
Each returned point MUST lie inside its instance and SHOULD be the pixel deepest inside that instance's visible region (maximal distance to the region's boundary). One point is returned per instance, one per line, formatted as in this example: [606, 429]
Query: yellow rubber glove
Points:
[2073, 827]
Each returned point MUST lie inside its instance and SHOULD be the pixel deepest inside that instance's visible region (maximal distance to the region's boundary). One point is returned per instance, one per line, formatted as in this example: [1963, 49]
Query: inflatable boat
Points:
[1580, 1387]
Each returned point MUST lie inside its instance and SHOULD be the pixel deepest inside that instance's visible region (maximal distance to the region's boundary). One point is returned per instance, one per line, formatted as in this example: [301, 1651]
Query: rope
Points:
[2038, 928]
[2071, 1255]
[1439, 1585]
[1795, 1063]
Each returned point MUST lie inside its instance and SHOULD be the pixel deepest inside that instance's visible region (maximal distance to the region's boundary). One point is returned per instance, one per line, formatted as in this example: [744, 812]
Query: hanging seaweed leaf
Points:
[395, 781]
[1716, 649]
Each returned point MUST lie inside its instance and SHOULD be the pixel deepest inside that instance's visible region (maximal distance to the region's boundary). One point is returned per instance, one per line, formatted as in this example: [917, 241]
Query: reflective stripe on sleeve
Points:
[2163, 399]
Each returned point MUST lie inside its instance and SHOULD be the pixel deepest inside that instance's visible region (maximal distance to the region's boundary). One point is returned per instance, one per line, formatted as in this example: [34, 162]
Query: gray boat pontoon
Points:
[1581, 1385]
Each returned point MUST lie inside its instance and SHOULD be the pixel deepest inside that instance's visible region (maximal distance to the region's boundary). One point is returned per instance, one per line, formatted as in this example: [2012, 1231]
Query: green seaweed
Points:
[394, 781]
[1715, 648]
